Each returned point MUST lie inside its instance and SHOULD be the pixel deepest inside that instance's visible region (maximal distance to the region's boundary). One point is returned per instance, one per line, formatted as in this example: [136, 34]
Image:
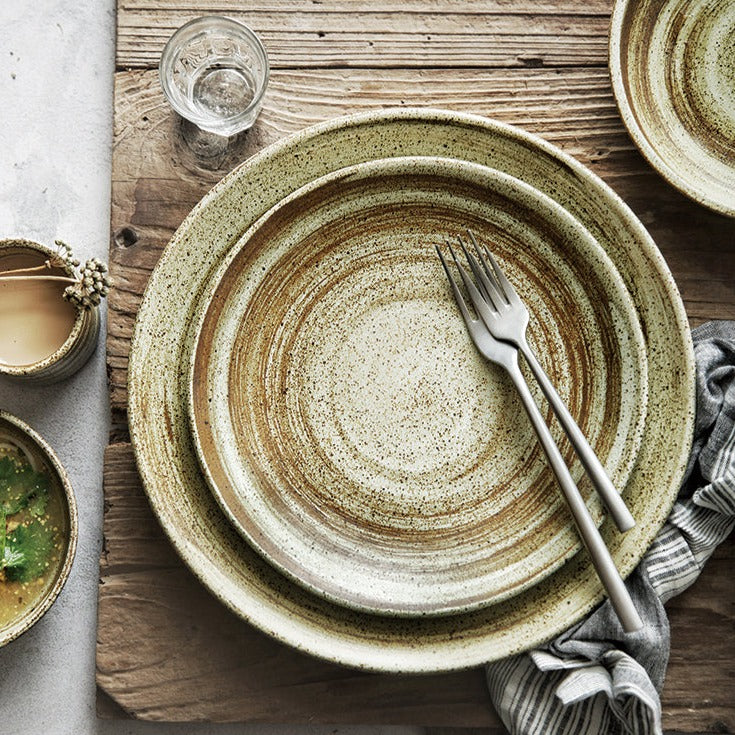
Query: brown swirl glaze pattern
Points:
[673, 70]
[346, 422]
[159, 373]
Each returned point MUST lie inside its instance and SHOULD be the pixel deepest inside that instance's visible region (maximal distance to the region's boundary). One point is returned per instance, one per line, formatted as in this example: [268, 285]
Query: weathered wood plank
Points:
[416, 7]
[413, 34]
[167, 650]
[157, 178]
[539, 65]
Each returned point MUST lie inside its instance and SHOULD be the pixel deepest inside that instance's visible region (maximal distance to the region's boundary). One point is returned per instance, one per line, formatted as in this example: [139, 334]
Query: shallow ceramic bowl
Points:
[78, 346]
[158, 384]
[22, 435]
[672, 64]
[346, 422]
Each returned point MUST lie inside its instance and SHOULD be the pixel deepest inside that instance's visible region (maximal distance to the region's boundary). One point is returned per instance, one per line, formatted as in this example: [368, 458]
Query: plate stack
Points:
[317, 434]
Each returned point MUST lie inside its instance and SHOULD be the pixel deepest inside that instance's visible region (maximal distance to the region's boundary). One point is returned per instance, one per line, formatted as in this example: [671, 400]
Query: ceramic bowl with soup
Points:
[38, 527]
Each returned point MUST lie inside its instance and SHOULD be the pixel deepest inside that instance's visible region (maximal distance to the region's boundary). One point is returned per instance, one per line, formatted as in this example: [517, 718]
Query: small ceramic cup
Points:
[67, 355]
[19, 434]
[214, 72]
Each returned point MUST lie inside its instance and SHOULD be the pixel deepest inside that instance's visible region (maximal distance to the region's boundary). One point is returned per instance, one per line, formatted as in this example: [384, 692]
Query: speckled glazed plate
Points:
[179, 495]
[672, 64]
[347, 424]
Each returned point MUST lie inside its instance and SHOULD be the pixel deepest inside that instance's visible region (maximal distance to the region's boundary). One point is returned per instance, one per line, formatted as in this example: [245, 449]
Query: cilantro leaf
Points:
[11, 558]
[22, 487]
[27, 551]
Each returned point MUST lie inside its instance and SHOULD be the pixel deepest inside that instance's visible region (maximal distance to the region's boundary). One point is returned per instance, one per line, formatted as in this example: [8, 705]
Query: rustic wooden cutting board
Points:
[166, 649]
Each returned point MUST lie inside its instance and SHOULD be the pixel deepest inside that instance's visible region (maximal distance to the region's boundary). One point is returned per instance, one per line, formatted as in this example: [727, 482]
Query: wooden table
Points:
[539, 64]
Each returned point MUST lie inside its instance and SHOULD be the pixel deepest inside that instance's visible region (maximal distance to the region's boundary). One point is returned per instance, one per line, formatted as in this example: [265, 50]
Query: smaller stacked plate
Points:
[672, 64]
[348, 426]
[321, 441]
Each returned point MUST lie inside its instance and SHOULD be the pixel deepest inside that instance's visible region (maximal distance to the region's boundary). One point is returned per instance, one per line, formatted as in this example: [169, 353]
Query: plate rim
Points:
[455, 653]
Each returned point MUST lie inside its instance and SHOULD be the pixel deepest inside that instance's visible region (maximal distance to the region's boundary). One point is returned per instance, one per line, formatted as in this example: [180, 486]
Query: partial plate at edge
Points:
[158, 380]
[347, 425]
[672, 64]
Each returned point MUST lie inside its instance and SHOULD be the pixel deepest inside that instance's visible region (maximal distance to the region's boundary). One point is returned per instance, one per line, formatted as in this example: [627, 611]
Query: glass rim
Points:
[185, 33]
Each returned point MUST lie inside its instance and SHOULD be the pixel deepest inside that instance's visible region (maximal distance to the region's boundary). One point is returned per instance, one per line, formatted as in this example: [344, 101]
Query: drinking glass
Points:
[214, 72]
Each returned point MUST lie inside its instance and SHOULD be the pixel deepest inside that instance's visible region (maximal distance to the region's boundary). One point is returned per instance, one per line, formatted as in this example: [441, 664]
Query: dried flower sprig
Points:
[63, 258]
[86, 289]
[93, 285]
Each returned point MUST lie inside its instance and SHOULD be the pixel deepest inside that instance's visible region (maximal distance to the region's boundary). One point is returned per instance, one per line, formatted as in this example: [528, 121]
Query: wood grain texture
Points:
[540, 65]
[416, 34]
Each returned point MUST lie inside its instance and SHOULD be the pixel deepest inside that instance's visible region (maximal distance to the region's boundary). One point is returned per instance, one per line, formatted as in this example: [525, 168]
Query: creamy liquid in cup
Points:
[35, 320]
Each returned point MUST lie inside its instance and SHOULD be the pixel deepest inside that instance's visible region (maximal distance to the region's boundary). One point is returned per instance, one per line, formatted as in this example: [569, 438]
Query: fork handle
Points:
[611, 497]
[598, 551]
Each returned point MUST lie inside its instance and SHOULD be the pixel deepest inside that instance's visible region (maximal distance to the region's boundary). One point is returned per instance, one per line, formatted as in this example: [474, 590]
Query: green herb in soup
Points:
[31, 522]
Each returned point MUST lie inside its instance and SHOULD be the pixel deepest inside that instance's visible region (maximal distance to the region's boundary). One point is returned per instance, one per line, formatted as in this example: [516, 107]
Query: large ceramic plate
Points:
[348, 425]
[672, 64]
[203, 536]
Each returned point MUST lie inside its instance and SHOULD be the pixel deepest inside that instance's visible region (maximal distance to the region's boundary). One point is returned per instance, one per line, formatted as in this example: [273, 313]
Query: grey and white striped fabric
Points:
[594, 679]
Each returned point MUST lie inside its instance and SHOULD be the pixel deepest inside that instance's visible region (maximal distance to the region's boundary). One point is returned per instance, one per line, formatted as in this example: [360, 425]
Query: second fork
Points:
[505, 355]
[506, 316]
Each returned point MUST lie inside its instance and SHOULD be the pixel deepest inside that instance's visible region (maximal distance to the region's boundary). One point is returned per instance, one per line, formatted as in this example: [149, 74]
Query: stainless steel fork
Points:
[506, 316]
[506, 355]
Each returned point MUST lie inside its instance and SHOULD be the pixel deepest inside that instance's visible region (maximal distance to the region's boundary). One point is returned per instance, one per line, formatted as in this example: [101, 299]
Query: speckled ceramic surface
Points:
[672, 64]
[187, 510]
[346, 422]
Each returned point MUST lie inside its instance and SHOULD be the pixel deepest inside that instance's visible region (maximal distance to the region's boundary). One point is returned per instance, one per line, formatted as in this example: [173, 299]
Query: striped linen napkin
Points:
[594, 679]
